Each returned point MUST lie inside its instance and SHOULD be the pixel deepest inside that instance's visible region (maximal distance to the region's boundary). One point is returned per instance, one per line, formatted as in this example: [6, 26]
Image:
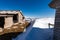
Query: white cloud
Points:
[43, 23]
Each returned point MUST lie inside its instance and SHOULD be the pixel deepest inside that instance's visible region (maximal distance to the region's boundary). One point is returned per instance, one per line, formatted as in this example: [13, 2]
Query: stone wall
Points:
[57, 25]
[8, 22]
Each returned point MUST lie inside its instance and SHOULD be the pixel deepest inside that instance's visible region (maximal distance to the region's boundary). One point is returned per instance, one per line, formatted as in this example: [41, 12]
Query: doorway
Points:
[15, 18]
[2, 22]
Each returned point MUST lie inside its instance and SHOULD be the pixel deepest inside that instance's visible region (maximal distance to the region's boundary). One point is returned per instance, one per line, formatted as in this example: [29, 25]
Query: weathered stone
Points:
[56, 4]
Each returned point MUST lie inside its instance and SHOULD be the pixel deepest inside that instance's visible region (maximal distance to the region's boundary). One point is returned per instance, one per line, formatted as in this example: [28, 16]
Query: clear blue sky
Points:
[31, 8]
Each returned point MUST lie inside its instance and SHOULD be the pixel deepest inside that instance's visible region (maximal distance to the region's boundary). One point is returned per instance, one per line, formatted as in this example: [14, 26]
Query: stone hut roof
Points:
[9, 12]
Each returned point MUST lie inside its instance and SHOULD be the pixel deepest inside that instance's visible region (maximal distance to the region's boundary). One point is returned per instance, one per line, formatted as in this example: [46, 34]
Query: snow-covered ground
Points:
[43, 23]
[38, 30]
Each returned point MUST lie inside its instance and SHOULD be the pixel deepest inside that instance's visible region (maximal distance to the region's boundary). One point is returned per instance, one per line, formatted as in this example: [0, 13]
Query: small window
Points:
[15, 18]
[23, 17]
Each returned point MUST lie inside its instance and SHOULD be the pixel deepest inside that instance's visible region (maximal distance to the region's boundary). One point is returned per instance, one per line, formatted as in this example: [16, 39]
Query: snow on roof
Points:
[9, 12]
[43, 22]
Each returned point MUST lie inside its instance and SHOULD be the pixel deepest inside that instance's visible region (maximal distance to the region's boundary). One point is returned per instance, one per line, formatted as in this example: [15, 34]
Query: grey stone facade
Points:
[56, 5]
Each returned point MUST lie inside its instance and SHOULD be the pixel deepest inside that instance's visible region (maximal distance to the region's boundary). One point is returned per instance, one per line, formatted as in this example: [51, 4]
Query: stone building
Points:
[55, 4]
[12, 21]
[9, 18]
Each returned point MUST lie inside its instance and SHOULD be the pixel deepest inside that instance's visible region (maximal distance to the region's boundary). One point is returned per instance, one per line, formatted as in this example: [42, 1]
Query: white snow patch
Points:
[43, 23]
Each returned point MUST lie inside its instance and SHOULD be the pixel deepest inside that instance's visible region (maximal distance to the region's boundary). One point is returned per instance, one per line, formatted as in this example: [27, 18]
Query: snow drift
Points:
[43, 23]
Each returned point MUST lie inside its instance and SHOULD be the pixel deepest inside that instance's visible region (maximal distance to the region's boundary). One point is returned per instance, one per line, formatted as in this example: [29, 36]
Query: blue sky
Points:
[31, 8]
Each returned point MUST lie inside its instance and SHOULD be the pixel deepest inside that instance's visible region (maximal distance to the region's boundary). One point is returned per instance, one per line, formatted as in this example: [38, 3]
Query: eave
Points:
[53, 4]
